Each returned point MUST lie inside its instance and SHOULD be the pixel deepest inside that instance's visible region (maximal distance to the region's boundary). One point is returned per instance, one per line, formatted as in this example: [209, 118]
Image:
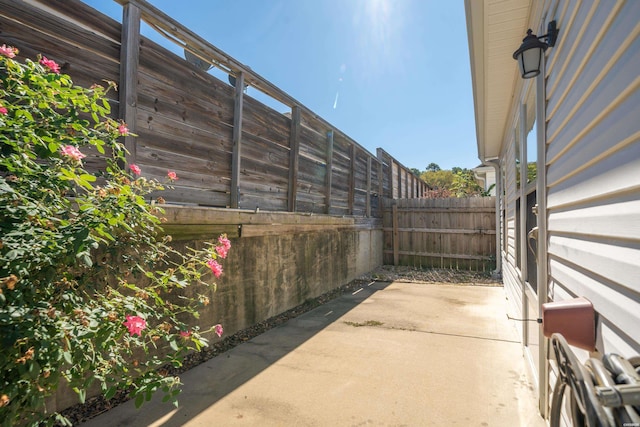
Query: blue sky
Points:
[389, 73]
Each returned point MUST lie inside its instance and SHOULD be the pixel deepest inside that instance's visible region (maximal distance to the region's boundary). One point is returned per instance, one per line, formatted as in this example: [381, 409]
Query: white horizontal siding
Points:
[617, 304]
[617, 218]
[617, 341]
[511, 196]
[610, 259]
[618, 173]
[618, 130]
[513, 291]
[593, 165]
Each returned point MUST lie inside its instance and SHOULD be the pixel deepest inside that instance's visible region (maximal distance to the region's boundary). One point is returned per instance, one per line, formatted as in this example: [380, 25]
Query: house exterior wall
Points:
[487, 175]
[510, 272]
[593, 164]
[591, 137]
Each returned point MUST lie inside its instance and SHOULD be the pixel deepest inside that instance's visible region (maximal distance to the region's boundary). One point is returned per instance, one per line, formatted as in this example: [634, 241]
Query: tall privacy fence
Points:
[228, 149]
[443, 233]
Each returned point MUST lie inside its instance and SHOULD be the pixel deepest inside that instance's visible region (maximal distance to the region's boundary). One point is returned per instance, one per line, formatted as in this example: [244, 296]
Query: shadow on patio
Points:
[388, 354]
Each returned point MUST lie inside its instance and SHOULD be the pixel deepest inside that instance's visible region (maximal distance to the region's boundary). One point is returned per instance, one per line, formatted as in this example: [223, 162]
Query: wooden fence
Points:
[443, 233]
[228, 149]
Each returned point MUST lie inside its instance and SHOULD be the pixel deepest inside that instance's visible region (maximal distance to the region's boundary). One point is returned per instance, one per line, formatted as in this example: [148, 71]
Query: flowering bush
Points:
[89, 288]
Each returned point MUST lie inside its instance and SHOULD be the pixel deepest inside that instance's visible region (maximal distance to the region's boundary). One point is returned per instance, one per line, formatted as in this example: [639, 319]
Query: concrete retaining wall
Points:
[277, 261]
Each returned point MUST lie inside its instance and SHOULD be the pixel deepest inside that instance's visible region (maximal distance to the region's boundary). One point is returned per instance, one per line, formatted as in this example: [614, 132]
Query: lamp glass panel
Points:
[530, 62]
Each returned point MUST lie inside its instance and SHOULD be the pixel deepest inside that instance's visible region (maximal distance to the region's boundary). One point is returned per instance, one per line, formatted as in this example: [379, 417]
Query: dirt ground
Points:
[432, 276]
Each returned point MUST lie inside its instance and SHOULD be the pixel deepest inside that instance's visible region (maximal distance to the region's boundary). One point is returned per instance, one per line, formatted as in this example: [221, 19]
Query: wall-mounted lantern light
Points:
[529, 54]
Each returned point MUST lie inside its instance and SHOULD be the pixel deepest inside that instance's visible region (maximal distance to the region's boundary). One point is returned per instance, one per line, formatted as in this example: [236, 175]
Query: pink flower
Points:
[135, 169]
[50, 64]
[135, 325]
[218, 330]
[172, 175]
[3, 111]
[185, 334]
[224, 242]
[221, 251]
[123, 129]
[216, 268]
[73, 152]
[8, 51]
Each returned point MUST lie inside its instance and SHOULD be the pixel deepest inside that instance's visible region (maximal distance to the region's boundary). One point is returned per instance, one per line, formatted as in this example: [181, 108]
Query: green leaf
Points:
[139, 400]
[67, 357]
[111, 392]
[173, 345]
[25, 114]
[99, 144]
[34, 369]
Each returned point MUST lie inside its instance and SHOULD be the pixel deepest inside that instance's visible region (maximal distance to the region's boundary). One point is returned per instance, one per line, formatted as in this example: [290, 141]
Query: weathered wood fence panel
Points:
[228, 149]
[443, 233]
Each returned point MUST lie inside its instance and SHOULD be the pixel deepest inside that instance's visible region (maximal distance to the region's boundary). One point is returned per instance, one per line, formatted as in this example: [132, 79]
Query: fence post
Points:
[380, 186]
[399, 179]
[368, 200]
[237, 141]
[396, 241]
[413, 186]
[352, 177]
[294, 144]
[128, 86]
[329, 174]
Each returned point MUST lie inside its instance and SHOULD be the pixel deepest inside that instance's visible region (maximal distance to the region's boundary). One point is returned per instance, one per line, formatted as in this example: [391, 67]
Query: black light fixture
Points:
[529, 54]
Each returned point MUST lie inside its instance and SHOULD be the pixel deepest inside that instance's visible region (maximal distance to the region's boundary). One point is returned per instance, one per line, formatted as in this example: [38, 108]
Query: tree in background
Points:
[465, 184]
[457, 182]
[433, 167]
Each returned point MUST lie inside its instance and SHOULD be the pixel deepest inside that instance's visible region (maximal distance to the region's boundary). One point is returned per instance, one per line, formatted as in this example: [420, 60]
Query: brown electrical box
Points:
[575, 319]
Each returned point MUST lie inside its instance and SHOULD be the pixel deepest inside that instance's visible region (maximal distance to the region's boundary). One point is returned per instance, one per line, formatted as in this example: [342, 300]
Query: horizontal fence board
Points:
[271, 155]
[441, 255]
[84, 71]
[313, 145]
[442, 230]
[199, 111]
[264, 200]
[216, 133]
[98, 22]
[61, 30]
[262, 121]
[157, 148]
[195, 196]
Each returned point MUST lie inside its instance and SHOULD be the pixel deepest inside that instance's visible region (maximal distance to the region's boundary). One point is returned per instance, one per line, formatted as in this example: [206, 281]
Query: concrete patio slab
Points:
[399, 354]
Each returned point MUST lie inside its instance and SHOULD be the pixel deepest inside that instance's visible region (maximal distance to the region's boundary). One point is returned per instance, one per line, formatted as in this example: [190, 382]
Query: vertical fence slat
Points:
[329, 176]
[396, 237]
[352, 177]
[237, 141]
[294, 144]
[380, 187]
[368, 200]
[128, 86]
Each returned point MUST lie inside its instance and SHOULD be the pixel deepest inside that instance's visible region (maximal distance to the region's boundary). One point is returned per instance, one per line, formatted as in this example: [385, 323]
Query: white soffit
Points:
[495, 29]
